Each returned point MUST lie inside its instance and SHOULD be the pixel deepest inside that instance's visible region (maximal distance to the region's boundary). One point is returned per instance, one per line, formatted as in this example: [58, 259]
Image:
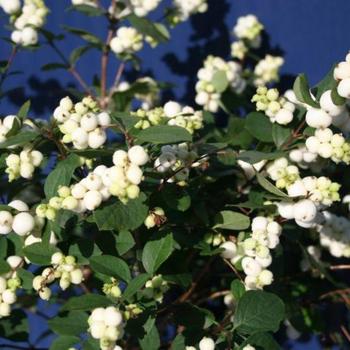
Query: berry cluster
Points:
[156, 287]
[318, 192]
[239, 50]
[277, 108]
[177, 159]
[26, 19]
[148, 118]
[207, 93]
[112, 289]
[267, 70]
[22, 223]
[83, 2]
[185, 8]
[6, 125]
[172, 114]
[328, 113]
[156, 217]
[303, 157]
[127, 41]
[335, 234]
[64, 268]
[342, 75]
[24, 164]
[328, 145]
[9, 283]
[185, 117]
[81, 123]
[253, 252]
[248, 28]
[142, 8]
[120, 180]
[106, 325]
[282, 173]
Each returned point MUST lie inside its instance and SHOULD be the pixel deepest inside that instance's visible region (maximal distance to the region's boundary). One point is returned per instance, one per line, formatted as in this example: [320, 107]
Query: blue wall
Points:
[312, 34]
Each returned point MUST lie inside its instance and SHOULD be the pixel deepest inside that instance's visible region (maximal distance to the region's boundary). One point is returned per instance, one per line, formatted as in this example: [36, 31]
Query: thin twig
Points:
[105, 56]
[335, 292]
[340, 267]
[345, 332]
[194, 284]
[71, 69]
[117, 78]
[212, 296]
[9, 63]
[233, 269]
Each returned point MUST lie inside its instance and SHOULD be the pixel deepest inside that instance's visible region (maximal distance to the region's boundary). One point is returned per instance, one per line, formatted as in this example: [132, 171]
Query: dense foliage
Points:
[150, 226]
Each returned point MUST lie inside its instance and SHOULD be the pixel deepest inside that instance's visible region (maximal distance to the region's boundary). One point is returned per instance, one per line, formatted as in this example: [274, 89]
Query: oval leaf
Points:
[164, 134]
[230, 220]
[111, 266]
[258, 311]
[156, 252]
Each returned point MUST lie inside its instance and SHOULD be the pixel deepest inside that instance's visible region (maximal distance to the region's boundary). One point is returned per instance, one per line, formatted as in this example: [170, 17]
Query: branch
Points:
[105, 56]
[9, 63]
[340, 267]
[116, 79]
[71, 69]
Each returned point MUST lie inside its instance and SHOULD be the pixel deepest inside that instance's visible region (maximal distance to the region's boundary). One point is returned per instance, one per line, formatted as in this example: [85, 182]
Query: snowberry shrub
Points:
[148, 226]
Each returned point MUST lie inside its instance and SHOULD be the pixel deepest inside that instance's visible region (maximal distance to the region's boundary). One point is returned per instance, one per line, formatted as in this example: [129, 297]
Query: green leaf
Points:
[125, 241]
[40, 253]
[20, 139]
[258, 311]
[92, 11]
[61, 175]
[53, 66]
[64, 342]
[176, 198]
[111, 266]
[83, 34]
[237, 134]
[15, 327]
[83, 249]
[23, 111]
[280, 134]
[91, 344]
[220, 81]
[86, 302]
[125, 119]
[327, 83]
[270, 187]
[74, 323]
[179, 343]
[147, 27]
[237, 289]
[135, 285]
[259, 126]
[230, 220]
[156, 252]
[121, 216]
[302, 91]
[4, 267]
[263, 341]
[77, 53]
[3, 245]
[253, 157]
[336, 98]
[151, 341]
[164, 134]
[26, 278]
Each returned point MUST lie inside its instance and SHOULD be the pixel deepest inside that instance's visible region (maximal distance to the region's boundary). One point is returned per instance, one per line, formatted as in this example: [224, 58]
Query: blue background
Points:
[312, 35]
